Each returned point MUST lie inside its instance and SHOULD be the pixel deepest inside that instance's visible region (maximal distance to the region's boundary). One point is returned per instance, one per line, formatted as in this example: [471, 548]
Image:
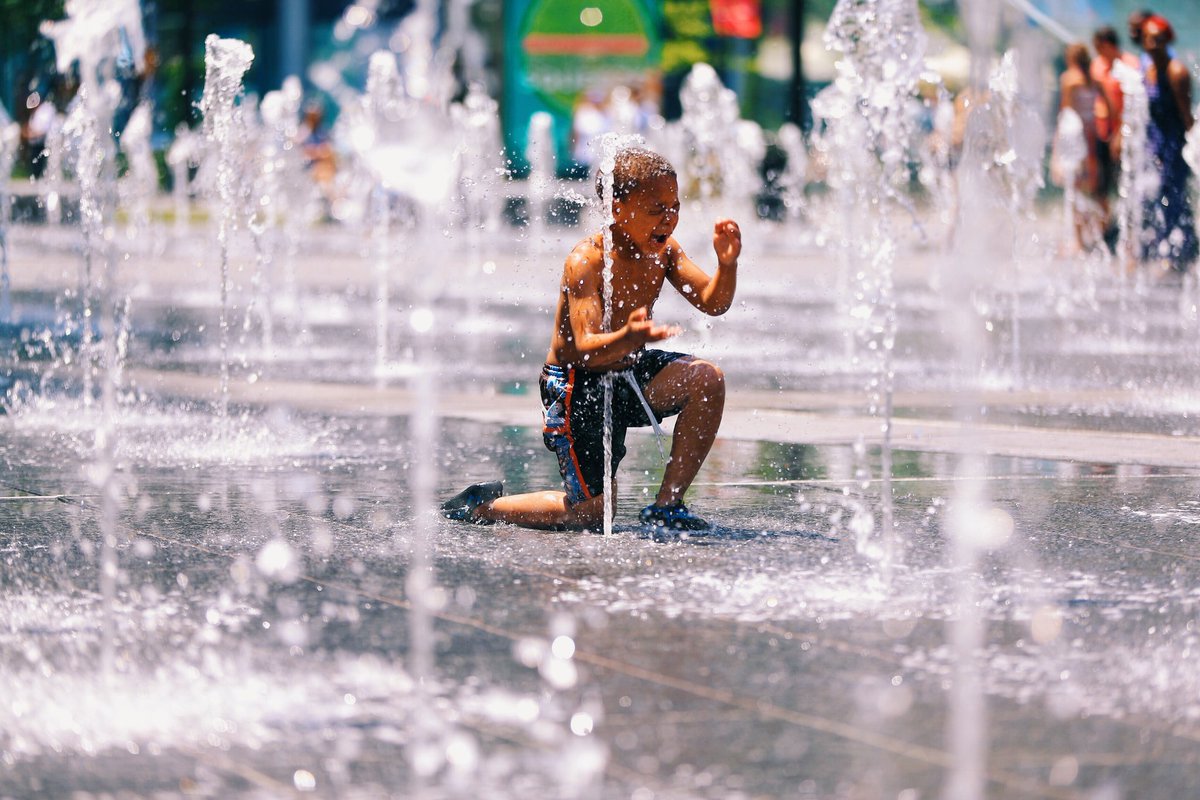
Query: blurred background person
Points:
[1083, 95]
[317, 147]
[1109, 114]
[1170, 239]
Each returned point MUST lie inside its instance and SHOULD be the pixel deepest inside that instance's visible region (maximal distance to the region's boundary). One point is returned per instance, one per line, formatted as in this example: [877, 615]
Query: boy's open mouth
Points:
[661, 238]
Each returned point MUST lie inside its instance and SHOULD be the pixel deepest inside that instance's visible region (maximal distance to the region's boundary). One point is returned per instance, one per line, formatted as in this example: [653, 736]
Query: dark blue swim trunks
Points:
[573, 399]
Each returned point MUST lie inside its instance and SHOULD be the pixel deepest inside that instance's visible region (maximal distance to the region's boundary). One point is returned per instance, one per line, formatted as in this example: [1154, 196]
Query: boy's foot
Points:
[461, 506]
[675, 518]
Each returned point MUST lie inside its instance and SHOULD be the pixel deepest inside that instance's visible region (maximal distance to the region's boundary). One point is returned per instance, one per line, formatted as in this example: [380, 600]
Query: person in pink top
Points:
[1083, 95]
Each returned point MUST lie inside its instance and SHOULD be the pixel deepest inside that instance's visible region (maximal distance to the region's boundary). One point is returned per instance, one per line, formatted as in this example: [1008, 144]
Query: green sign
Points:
[559, 50]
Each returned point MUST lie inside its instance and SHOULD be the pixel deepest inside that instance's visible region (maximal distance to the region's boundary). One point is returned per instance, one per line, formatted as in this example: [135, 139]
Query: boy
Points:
[644, 255]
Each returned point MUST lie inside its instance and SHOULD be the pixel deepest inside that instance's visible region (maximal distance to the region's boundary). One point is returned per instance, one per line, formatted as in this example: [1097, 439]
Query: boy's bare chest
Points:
[634, 288]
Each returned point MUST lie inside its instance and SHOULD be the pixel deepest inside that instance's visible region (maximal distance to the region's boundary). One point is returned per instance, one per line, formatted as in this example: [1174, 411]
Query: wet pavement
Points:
[259, 643]
[261, 626]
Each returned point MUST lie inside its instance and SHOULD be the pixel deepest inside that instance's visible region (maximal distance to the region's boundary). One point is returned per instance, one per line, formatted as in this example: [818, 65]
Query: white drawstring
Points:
[628, 375]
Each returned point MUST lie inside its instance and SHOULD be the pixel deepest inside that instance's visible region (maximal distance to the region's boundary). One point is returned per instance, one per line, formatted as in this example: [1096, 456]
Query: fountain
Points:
[719, 153]
[140, 184]
[182, 158]
[882, 45]
[1138, 177]
[795, 178]
[10, 134]
[1015, 141]
[539, 152]
[1070, 151]
[277, 611]
[94, 36]
[226, 61]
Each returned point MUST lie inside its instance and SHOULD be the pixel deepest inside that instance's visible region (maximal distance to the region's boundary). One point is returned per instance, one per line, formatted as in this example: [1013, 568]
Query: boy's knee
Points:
[707, 379]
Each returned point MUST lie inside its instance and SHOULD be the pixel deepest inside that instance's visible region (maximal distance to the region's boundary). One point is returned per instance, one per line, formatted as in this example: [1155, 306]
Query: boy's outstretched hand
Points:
[642, 329]
[727, 241]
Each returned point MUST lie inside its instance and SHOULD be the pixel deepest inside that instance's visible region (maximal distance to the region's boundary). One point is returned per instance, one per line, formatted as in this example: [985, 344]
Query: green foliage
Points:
[688, 24]
[688, 19]
[680, 55]
[937, 14]
[22, 17]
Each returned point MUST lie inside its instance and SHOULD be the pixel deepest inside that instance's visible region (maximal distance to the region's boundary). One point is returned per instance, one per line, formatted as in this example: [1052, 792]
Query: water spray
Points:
[226, 62]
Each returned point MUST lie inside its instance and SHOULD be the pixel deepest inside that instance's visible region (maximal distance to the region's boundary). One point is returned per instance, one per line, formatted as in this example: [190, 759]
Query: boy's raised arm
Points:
[711, 294]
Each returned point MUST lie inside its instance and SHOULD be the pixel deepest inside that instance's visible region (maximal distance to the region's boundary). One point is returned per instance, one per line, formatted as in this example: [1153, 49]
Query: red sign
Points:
[579, 44]
[740, 19]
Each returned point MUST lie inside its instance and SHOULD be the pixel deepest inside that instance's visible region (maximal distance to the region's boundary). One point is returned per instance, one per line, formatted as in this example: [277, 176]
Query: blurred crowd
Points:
[1129, 102]
[1098, 86]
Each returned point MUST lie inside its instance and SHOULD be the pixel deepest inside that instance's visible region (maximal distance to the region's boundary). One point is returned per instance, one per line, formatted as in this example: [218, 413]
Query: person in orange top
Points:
[1109, 114]
[1108, 117]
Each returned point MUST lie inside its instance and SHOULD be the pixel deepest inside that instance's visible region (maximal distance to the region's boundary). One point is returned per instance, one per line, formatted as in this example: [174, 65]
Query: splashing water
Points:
[1020, 141]
[719, 151]
[140, 184]
[383, 99]
[705, 104]
[539, 152]
[1069, 152]
[608, 146]
[98, 35]
[182, 156]
[10, 136]
[226, 62]
[1138, 179]
[882, 45]
[93, 31]
[966, 725]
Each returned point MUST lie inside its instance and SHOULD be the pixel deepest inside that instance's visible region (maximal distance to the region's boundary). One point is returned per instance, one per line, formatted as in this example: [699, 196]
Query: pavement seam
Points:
[761, 708]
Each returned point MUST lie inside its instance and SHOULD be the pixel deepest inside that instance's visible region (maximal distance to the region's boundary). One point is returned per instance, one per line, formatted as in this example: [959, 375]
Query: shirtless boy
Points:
[644, 256]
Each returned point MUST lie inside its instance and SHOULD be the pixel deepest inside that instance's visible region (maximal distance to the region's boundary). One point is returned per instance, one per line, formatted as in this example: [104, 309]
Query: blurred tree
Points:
[938, 13]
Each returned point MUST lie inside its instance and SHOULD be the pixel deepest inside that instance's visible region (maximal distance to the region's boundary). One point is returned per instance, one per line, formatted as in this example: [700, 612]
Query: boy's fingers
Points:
[665, 331]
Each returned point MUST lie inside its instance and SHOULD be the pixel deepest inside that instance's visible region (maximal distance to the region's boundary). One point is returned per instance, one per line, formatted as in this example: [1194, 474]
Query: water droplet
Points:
[581, 723]
[304, 781]
[563, 647]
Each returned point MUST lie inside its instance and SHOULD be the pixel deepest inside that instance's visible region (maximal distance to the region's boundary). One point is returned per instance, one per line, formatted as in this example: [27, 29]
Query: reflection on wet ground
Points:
[261, 626]
[260, 630]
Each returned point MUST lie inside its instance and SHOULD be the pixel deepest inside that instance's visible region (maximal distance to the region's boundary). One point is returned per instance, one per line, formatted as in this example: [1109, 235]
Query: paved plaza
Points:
[259, 641]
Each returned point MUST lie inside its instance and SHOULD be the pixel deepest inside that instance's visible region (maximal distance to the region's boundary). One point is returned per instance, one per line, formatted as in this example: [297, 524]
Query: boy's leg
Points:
[548, 510]
[697, 389]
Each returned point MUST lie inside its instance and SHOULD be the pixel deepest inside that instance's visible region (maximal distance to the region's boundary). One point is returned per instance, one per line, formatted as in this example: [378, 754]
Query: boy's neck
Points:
[625, 248]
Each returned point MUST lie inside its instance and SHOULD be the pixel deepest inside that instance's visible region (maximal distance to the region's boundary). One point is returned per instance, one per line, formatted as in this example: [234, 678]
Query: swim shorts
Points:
[573, 399]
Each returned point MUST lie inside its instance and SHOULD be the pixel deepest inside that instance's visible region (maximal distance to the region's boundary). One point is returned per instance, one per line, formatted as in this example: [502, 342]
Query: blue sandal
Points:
[461, 507]
[675, 518]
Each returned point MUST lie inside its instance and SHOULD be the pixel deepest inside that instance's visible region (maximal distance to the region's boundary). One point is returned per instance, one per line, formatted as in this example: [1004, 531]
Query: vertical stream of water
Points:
[226, 62]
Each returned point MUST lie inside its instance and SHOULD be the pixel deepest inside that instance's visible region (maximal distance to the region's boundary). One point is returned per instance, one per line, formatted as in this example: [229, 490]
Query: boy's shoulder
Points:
[587, 254]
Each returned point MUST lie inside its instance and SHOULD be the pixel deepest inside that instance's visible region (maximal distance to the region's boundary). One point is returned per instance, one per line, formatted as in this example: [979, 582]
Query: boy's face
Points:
[649, 214]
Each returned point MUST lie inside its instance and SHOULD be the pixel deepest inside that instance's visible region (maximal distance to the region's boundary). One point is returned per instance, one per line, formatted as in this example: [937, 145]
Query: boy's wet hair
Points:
[634, 166]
